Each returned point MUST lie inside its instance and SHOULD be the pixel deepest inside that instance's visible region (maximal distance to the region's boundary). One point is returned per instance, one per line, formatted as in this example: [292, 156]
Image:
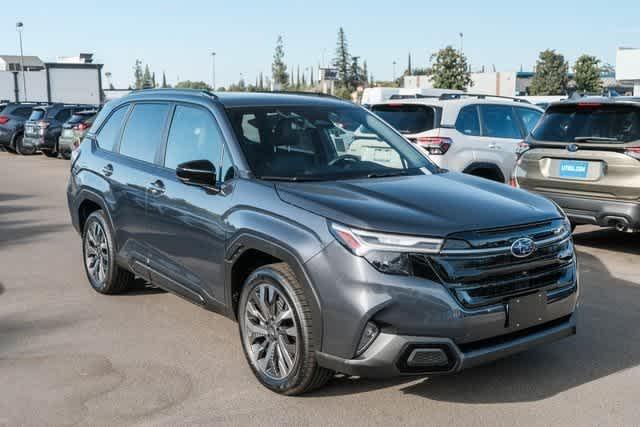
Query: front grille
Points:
[487, 273]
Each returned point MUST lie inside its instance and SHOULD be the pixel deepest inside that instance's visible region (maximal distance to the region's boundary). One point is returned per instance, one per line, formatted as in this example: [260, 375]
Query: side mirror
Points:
[197, 172]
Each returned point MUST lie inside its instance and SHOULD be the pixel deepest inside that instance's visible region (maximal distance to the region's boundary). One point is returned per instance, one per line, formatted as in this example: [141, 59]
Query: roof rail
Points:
[449, 96]
[176, 90]
[299, 92]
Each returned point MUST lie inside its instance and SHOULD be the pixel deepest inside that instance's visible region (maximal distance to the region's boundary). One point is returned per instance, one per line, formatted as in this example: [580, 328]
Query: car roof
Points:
[611, 100]
[236, 99]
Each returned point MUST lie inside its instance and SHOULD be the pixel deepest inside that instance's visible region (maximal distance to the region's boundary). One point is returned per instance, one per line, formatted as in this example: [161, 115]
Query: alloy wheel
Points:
[96, 252]
[271, 332]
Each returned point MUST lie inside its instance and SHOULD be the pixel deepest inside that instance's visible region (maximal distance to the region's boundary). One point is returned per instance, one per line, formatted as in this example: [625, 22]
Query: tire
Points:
[51, 154]
[21, 149]
[99, 257]
[276, 285]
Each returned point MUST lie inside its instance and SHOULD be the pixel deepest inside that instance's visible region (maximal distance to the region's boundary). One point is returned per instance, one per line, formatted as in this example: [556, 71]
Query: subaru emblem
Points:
[522, 248]
[572, 147]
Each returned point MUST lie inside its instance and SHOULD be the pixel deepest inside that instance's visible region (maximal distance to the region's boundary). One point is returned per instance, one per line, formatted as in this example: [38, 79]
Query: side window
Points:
[529, 118]
[22, 112]
[194, 135]
[249, 128]
[108, 135]
[143, 131]
[63, 115]
[227, 171]
[468, 122]
[500, 122]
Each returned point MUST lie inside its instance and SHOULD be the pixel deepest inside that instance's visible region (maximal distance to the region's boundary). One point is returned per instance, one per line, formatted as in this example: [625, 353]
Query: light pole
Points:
[213, 71]
[19, 27]
[394, 71]
[461, 41]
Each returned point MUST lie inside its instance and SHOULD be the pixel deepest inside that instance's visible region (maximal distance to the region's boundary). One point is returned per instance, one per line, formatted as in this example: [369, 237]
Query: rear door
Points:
[501, 133]
[587, 149]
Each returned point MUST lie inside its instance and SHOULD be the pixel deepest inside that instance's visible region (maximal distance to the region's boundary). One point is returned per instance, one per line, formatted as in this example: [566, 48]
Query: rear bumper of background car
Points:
[604, 213]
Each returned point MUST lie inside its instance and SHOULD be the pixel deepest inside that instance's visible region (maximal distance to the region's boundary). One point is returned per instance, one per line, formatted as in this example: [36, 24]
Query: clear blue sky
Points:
[178, 36]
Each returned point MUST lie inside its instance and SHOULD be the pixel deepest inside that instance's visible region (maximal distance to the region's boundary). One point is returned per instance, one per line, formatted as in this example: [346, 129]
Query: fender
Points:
[484, 165]
[88, 194]
[267, 244]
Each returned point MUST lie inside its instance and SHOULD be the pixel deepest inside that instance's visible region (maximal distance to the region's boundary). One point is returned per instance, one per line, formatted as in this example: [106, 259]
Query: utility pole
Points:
[213, 71]
[394, 71]
[19, 27]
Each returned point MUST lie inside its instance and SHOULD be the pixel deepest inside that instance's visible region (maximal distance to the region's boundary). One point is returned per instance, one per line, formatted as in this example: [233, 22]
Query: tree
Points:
[365, 72]
[153, 80]
[298, 82]
[188, 84]
[278, 68]
[450, 70]
[146, 78]
[138, 75]
[164, 81]
[342, 59]
[409, 72]
[550, 76]
[587, 74]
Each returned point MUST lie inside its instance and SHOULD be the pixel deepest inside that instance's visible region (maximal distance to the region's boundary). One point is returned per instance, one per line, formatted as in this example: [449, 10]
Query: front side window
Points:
[308, 143]
[468, 122]
[500, 122]
[194, 135]
[143, 131]
[110, 131]
[529, 118]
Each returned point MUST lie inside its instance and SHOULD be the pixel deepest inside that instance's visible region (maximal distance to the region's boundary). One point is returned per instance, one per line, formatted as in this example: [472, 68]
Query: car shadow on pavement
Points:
[609, 239]
[608, 342]
[15, 231]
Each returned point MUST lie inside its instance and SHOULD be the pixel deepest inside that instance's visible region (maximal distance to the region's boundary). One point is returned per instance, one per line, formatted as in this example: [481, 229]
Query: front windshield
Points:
[323, 143]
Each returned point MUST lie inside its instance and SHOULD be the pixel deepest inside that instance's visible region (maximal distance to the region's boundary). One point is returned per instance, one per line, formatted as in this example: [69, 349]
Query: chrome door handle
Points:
[107, 170]
[156, 188]
[493, 145]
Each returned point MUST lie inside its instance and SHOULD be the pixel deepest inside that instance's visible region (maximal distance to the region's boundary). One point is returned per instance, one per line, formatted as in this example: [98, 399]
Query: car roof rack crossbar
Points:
[449, 96]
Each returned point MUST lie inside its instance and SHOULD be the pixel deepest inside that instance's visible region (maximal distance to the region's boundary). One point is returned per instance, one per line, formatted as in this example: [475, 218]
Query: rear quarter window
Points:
[468, 121]
[565, 123]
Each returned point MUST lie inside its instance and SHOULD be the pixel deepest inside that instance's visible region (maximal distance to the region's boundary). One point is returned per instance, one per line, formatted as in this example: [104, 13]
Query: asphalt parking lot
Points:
[71, 356]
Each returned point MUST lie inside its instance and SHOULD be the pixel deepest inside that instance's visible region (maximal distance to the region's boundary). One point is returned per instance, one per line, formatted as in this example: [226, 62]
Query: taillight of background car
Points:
[81, 126]
[633, 152]
[437, 145]
[521, 148]
[4, 120]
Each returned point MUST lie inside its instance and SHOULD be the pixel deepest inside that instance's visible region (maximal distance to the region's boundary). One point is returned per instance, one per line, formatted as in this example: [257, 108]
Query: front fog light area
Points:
[390, 262]
[368, 335]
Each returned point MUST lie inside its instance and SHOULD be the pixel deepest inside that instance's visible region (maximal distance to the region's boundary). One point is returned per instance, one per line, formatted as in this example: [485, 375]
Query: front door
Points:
[186, 226]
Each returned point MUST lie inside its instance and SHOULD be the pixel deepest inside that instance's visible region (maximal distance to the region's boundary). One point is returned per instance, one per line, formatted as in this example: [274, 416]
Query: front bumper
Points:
[392, 355]
[604, 213]
[416, 312]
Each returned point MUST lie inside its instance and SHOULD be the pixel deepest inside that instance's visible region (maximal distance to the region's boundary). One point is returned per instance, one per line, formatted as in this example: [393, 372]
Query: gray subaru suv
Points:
[368, 262]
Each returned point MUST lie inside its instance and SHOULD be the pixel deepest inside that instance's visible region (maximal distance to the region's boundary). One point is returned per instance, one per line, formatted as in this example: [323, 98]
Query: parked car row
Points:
[53, 129]
[583, 153]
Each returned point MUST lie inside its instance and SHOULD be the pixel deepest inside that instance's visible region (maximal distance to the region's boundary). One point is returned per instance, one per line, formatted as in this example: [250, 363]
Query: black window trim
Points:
[125, 122]
[162, 152]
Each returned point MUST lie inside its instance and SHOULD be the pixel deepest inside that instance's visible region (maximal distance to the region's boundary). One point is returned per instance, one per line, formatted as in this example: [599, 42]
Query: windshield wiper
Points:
[594, 139]
[289, 178]
[388, 174]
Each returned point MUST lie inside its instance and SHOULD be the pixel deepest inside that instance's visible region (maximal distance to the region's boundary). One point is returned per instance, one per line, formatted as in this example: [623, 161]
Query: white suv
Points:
[476, 134]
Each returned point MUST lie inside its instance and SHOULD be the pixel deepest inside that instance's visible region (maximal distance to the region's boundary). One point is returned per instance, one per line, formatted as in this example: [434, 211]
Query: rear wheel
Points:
[52, 154]
[21, 149]
[276, 330]
[99, 255]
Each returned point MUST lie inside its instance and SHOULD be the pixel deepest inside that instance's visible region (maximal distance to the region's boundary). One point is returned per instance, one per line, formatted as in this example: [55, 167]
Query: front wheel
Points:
[276, 329]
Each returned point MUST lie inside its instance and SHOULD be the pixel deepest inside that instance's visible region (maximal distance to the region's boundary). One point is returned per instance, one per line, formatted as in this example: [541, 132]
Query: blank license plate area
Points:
[574, 169]
[526, 311]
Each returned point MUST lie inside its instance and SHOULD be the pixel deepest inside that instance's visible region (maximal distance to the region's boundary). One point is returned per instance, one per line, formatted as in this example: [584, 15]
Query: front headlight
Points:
[361, 242]
[387, 253]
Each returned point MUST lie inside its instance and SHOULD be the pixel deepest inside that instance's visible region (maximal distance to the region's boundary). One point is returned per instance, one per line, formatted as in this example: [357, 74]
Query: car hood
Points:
[428, 205]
